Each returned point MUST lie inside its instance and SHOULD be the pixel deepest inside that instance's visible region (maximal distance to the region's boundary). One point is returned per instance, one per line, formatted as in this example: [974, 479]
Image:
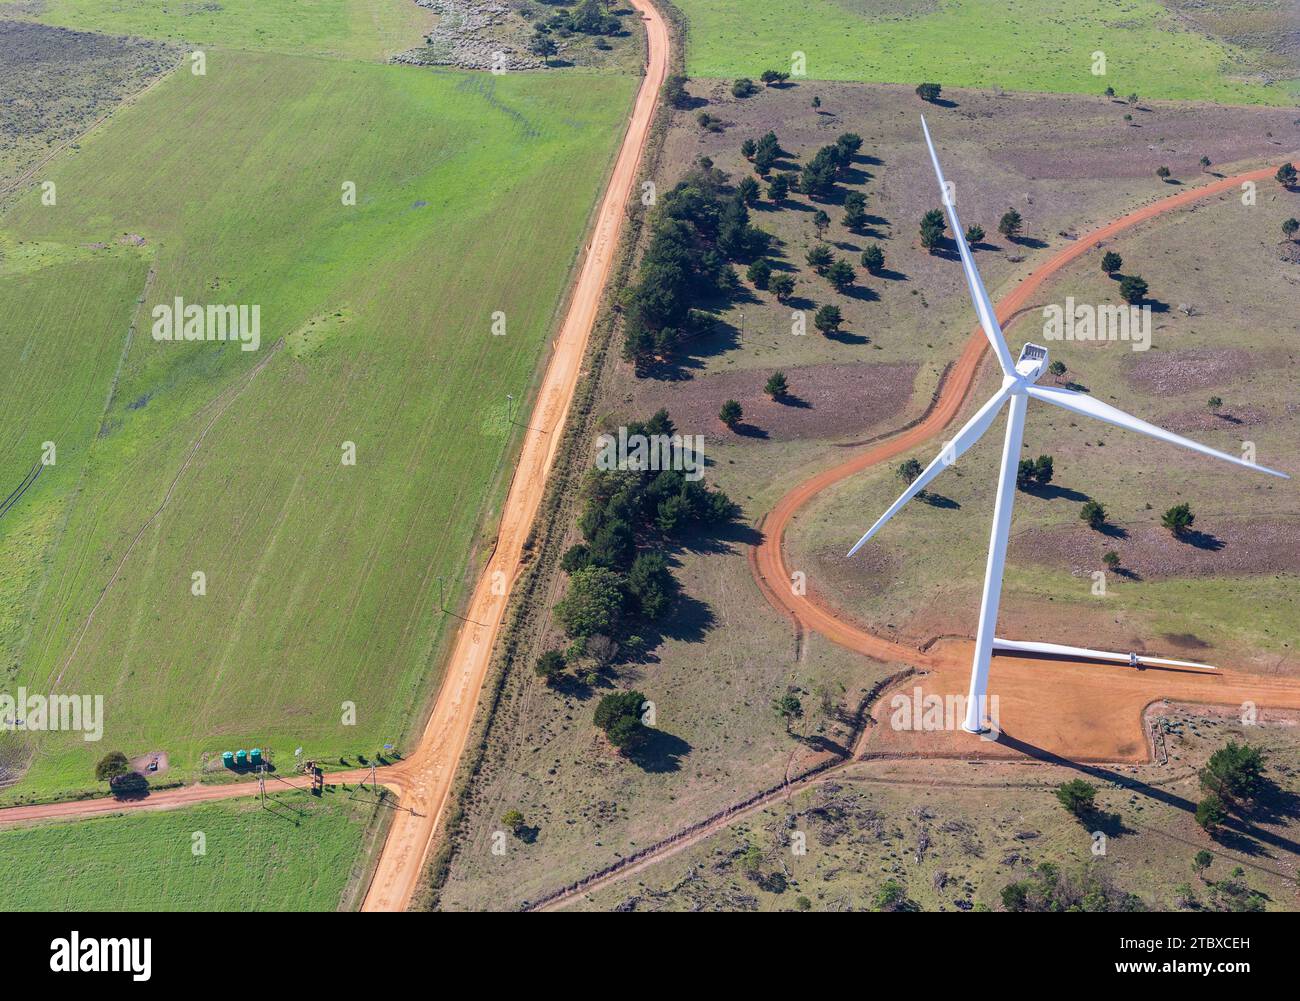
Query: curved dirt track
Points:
[1055, 725]
[1096, 713]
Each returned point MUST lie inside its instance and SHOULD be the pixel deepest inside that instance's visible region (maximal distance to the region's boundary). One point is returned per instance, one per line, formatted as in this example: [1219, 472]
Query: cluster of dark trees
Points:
[829, 165]
[697, 229]
[1033, 473]
[1051, 889]
[618, 576]
[590, 17]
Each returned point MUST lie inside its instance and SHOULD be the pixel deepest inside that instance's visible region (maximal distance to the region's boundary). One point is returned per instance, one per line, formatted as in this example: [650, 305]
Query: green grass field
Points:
[354, 29]
[298, 855]
[472, 193]
[1042, 45]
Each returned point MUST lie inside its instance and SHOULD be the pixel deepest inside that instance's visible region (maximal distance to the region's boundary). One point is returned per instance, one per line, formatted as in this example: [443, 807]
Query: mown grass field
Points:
[472, 193]
[354, 29]
[1041, 45]
[299, 854]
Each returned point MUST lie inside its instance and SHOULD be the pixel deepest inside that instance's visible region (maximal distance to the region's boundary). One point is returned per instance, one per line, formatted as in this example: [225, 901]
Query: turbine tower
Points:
[1019, 385]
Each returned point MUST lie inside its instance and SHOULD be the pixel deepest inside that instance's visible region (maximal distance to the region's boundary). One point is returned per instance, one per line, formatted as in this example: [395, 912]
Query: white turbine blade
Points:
[988, 316]
[963, 440]
[1061, 650]
[1088, 406]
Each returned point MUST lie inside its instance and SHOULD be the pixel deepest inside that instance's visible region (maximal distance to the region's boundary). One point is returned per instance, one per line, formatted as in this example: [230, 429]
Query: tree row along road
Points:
[423, 780]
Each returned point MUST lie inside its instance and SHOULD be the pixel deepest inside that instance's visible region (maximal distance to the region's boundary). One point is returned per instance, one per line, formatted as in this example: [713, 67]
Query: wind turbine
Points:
[1019, 385]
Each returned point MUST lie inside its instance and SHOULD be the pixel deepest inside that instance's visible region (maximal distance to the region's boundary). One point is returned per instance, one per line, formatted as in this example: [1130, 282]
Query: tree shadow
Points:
[938, 500]
[1032, 242]
[862, 293]
[744, 429]
[889, 275]
[844, 337]
[791, 400]
[661, 752]
[1112, 531]
[1053, 491]
[1201, 540]
[131, 786]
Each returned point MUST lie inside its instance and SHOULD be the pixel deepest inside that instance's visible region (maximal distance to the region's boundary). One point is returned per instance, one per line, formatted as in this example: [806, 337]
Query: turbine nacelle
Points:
[1032, 362]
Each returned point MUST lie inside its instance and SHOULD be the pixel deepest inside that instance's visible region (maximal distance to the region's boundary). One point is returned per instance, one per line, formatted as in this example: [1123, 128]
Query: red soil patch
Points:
[825, 401]
[1084, 712]
[1218, 548]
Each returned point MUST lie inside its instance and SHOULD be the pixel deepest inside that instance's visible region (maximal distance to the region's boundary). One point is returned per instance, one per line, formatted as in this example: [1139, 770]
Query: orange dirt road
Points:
[171, 799]
[427, 773]
[1073, 710]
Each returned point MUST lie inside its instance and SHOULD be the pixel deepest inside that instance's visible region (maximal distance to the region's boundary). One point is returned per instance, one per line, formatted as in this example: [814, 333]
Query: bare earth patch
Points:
[1229, 418]
[1166, 373]
[1218, 548]
[825, 401]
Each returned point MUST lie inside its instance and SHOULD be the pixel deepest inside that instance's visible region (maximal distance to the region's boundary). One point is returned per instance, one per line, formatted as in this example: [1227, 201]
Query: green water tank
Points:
[255, 757]
[228, 758]
[241, 758]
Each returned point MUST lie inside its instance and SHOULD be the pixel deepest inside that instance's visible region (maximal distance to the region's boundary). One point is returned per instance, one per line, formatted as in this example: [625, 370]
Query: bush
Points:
[759, 273]
[1133, 289]
[1234, 773]
[1210, 813]
[782, 286]
[873, 259]
[594, 603]
[744, 87]
[112, 765]
[550, 665]
[619, 716]
[828, 319]
[932, 229]
[1094, 514]
[1077, 796]
[1178, 519]
[731, 414]
[1010, 223]
[929, 92]
[674, 92]
[1111, 262]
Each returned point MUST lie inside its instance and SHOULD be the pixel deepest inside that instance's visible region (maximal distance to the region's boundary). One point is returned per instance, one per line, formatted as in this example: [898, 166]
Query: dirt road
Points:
[1061, 724]
[428, 772]
[172, 799]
